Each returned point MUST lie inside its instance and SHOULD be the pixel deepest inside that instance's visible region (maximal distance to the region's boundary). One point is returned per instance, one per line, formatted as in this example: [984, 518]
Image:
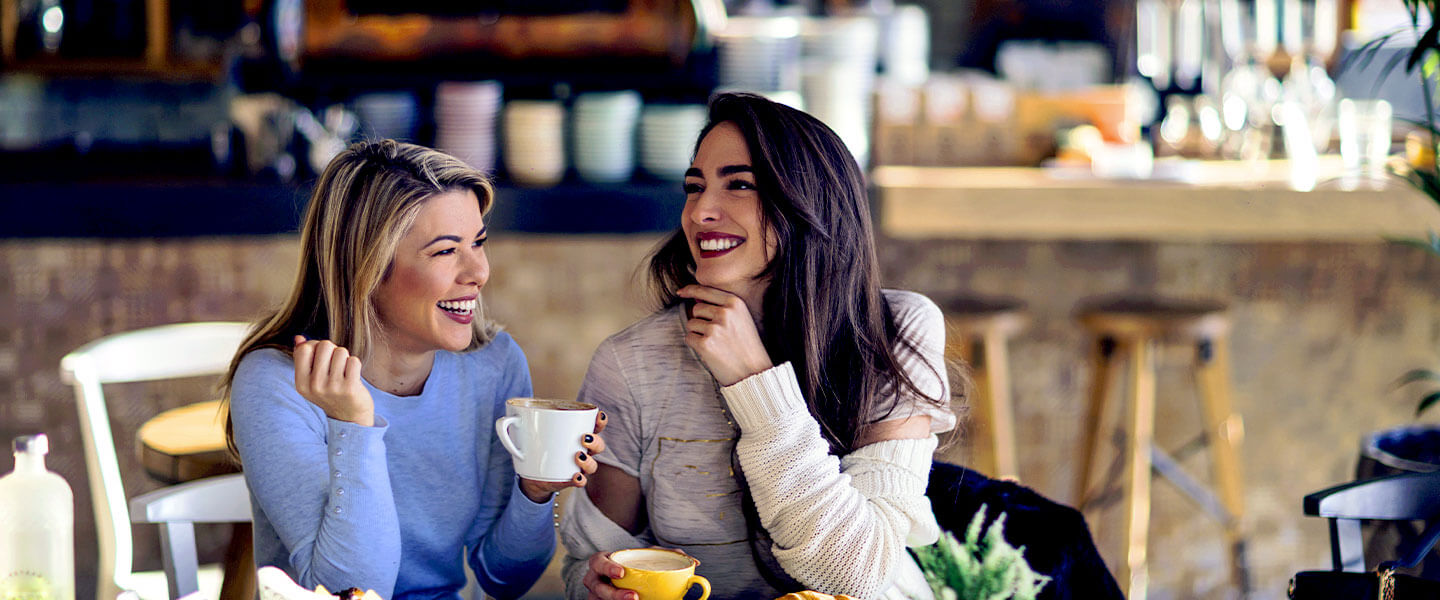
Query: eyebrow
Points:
[724, 171]
[452, 238]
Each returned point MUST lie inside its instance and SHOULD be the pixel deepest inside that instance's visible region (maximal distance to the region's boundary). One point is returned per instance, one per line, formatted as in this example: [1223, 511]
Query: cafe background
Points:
[155, 156]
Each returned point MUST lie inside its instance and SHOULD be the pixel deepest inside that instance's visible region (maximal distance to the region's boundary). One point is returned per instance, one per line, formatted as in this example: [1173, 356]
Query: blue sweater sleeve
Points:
[518, 545]
[323, 484]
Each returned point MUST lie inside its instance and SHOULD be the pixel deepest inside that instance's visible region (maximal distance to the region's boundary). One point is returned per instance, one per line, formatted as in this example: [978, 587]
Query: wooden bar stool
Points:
[979, 331]
[1127, 332]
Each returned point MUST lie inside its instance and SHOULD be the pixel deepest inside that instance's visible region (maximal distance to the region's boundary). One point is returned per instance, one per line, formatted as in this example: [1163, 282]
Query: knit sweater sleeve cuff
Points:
[914, 455]
[767, 397]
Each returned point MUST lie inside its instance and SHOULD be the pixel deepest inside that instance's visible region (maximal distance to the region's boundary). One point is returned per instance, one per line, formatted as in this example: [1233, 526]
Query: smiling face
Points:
[428, 300]
[722, 219]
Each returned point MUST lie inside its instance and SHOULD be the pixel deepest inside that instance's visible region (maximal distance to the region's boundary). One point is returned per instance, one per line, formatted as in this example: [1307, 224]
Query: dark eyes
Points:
[733, 184]
[479, 243]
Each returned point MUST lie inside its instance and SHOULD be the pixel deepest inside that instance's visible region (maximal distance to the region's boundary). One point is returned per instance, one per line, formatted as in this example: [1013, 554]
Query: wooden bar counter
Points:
[1220, 201]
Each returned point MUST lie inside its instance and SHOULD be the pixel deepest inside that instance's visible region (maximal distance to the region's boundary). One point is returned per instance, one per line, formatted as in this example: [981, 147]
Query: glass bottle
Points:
[37, 519]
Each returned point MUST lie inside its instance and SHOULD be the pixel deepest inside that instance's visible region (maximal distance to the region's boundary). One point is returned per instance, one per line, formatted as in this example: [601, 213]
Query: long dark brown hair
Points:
[823, 310]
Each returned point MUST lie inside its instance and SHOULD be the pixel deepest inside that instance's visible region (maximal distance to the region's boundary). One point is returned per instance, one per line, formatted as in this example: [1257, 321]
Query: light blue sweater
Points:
[390, 507]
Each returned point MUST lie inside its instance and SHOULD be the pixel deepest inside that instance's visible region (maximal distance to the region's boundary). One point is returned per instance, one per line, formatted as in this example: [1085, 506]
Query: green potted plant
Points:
[1414, 447]
[981, 567]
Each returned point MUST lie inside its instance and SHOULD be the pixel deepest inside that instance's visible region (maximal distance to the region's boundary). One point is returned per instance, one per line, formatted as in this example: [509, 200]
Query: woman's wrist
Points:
[363, 419]
[534, 492]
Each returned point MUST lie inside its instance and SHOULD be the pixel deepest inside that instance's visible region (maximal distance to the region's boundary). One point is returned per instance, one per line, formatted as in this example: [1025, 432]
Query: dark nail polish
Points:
[603, 416]
[584, 457]
[589, 439]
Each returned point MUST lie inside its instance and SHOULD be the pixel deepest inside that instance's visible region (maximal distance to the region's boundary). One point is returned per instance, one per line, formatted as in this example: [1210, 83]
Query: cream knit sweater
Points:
[837, 525]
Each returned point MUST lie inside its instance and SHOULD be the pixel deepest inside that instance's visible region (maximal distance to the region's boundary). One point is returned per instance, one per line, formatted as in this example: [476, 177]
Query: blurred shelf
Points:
[117, 67]
[577, 207]
[149, 208]
[538, 77]
[215, 206]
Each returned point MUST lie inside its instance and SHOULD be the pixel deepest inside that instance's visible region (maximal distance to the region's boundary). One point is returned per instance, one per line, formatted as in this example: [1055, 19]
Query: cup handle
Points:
[704, 585]
[502, 429]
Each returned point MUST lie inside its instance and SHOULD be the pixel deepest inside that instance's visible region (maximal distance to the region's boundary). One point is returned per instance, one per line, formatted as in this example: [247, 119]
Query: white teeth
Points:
[715, 245]
[463, 307]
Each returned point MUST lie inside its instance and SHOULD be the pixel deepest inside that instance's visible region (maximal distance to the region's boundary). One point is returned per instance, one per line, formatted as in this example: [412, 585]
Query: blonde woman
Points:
[363, 409]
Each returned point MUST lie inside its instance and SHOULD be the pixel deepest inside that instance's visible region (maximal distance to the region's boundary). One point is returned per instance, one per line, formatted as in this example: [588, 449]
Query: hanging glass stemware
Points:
[1309, 39]
[1189, 18]
[1249, 91]
[1153, 31]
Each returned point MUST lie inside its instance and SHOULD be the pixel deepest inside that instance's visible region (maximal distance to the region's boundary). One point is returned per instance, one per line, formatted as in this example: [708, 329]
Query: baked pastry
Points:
[812, 595]
[276, 585]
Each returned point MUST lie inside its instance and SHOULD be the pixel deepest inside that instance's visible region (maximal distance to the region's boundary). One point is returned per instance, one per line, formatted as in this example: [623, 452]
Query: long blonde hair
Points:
[365, 202]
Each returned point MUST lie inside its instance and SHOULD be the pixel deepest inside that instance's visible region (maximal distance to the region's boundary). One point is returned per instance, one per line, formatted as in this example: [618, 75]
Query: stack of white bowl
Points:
[387, 115]
[759, 54]
[604, 130]
[905, 45]
[465, 121]
[839, 76]
[667, 138]
[534, 134]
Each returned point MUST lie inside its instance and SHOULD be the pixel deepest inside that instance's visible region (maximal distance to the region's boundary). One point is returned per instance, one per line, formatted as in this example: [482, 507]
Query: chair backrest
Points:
[1056, 539]
[164, 352]
[222, 499]
[1404, 497]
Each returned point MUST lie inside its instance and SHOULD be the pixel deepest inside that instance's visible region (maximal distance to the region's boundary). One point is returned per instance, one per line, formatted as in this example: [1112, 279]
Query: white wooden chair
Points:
[163, 352]
[222, 499]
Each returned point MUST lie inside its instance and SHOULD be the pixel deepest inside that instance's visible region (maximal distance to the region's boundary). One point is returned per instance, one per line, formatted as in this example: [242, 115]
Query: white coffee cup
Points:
[543, 436]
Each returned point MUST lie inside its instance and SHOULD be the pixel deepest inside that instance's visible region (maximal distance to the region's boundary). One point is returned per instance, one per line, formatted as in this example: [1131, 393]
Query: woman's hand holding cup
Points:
[329, 377]
[597, 579]
[535, 457]
[643, 574]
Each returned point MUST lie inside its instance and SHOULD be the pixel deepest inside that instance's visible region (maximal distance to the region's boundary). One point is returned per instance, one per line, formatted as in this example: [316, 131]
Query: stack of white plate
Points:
[667, 138]
[760, 54]
[905, 45]
[465, 121]
[386, 115]
[534, 133]
[604, 130]
[839, 76]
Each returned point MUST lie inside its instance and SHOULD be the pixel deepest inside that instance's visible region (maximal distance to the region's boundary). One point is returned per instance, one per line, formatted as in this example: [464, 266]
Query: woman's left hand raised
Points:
[540, 491]
[722, 331]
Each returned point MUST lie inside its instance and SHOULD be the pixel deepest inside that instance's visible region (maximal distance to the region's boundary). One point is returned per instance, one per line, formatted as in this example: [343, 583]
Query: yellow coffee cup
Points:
[659, 574]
